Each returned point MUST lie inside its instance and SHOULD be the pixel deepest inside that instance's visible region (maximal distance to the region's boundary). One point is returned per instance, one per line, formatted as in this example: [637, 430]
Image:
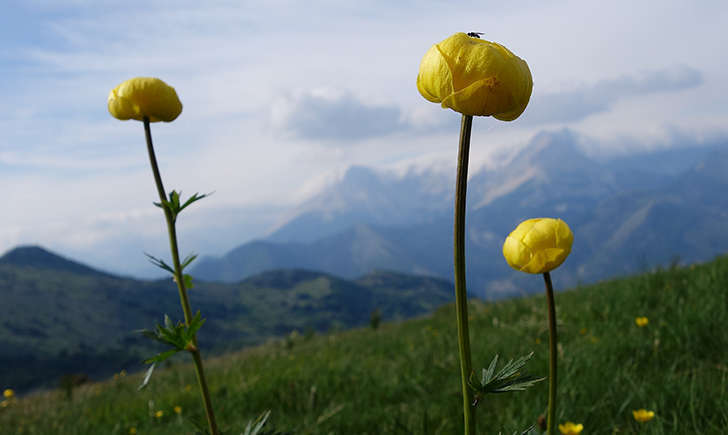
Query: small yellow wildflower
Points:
[188, 388]
[570, 428]
[178, 409]
[122, 373]
[132, 431]
[641, 321]
[643, 415]
[159, 414]
[4, 403]
[8, 393]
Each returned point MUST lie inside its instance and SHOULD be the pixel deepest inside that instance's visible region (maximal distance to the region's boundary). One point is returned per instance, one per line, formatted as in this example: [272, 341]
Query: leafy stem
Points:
[171, 209]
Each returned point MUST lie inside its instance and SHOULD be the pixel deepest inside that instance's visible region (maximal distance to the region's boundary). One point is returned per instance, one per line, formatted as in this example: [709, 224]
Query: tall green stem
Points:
[461, 294]
[184, 300]
[550, 421]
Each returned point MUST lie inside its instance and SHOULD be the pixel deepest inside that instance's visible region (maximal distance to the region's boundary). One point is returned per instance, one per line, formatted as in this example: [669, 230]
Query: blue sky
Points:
[281, 97]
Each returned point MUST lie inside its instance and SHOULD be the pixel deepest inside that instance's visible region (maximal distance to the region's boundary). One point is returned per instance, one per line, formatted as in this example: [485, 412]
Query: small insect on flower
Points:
[641, 321]
[570, 428]
[643, 415]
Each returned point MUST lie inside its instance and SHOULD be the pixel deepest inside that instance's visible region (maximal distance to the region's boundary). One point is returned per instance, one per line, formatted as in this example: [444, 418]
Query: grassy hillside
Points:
[403, 377]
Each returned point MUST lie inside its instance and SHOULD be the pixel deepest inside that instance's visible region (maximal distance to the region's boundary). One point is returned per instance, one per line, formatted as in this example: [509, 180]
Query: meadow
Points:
[403, 377]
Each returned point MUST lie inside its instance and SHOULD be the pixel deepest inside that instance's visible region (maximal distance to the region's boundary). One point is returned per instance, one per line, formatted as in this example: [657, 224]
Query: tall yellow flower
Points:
[142, 97]
[475, 77]
[570, 428]
[538, 245]
[643, 415]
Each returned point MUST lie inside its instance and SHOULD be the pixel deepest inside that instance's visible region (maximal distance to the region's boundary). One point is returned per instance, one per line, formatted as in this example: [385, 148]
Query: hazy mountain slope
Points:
[628, 214]
[63, 319]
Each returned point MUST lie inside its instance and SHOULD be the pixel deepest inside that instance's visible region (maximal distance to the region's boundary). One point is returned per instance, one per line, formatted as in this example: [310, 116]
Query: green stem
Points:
[184, 300]
[461, 294]
[550, 421]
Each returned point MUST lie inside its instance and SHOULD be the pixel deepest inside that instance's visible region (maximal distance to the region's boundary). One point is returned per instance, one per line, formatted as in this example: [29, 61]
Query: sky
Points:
[281, 97]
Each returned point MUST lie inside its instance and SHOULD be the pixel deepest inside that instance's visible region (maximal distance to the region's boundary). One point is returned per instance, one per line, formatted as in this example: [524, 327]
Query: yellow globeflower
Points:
[475, 77]
[643, 415]
[641, 321]
[132, 431]
[8, 393]
[570, 428]
[159, 414]
[178, 410]
[538, 245]
[142, 97]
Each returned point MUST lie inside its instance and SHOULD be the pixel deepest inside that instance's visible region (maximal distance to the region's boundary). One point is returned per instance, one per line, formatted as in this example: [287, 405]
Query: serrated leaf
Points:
[488, 374]
[195, 325]
[161, 356]
[147, 377]
[187, 279]
[189, 259]
[194, 198]
[159, 263]
[507, 379]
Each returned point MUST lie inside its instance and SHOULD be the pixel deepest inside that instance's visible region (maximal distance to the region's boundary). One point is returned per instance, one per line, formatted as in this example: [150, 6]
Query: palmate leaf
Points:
[173, 204]
[178, 336]
[159, 263]
[508, 379]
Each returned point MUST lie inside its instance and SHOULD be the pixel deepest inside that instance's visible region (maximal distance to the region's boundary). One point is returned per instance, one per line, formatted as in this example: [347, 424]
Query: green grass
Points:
[404, 377]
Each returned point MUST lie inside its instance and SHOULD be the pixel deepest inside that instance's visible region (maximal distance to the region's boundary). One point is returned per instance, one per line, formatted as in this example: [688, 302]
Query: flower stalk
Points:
[179, 279]
[551, 413]
[461, 294]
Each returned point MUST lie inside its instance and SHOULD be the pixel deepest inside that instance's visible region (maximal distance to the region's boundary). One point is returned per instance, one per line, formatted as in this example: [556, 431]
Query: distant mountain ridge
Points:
[36, 256]
[627, 213]
[62, 317]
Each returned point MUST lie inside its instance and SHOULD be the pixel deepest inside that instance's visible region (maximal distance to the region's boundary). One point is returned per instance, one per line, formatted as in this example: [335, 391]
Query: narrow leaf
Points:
[147, 377]
[161, 357]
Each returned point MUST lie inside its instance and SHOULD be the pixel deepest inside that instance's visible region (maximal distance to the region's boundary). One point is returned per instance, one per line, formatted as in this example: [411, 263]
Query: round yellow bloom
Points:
[8, 393]
[475, 77]
[538, 245]
[643, 415]
[144, 97]
[132, 431]
[178, 410]
[159, 414]
[570, 428]
[641, 321]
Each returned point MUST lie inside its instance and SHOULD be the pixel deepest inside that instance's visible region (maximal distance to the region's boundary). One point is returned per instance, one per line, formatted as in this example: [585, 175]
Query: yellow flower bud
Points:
[538, 245]
[475, 77]
[144, 97]
[643, 415]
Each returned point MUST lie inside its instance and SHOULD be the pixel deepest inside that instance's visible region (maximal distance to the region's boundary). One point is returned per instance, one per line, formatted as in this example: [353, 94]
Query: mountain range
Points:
[61, 317]
[628, 214]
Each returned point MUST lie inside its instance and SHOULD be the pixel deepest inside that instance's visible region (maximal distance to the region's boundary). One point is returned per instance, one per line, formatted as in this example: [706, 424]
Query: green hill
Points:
[404, 378]
[60, 317]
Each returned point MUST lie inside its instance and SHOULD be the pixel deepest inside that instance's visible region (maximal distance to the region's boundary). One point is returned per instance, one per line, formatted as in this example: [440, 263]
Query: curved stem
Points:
[184, 300]
[461, 294]
[552, 353]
